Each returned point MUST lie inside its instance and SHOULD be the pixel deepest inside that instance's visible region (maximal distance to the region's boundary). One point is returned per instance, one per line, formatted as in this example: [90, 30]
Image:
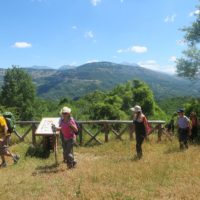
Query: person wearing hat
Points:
[140, 125]
[183, 124]
[68, 128]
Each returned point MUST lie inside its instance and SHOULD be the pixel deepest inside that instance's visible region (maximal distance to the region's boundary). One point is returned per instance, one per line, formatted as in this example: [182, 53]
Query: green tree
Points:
[189, 64]
[18, 91]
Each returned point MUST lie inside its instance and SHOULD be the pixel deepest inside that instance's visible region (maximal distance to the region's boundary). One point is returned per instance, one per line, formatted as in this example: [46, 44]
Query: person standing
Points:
[194, 126]
[140, 126]
[183, 124]
[4, 138]
[68, 128]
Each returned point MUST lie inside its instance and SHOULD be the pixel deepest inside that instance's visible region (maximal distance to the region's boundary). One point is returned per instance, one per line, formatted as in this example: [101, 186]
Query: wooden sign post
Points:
[47, 127]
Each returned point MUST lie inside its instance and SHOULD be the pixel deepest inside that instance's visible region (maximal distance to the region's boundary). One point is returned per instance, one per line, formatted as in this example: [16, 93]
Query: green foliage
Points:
[116, 104]
[171, 105]
[193, 106]
[189, 65]
[18, 91]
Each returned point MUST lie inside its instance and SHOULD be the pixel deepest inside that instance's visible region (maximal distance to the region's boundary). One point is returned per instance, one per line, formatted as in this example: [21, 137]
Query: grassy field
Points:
[107, 171]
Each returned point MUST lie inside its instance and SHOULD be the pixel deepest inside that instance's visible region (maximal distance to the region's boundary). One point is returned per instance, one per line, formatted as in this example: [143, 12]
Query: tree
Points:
[18, 91]
[189, 64]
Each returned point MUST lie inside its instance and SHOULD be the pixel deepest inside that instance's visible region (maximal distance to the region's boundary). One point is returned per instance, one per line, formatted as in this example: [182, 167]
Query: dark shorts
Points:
[3, 149]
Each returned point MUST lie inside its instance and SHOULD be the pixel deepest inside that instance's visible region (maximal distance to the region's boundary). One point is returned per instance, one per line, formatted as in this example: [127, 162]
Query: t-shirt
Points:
[183, 122]
[68, 132]
[2, 126]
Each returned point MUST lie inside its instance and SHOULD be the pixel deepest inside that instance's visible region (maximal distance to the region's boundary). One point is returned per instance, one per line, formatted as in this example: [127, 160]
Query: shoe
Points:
[71, 165]
[3, 164]
[74, 163]
[16, 158]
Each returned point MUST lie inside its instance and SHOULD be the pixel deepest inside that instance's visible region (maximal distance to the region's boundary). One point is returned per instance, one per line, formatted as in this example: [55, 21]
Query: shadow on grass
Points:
[47, 169]
[38, 152]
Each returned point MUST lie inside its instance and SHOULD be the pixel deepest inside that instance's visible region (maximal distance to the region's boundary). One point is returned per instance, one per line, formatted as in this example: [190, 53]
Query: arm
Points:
[146, 125]
[73, 126]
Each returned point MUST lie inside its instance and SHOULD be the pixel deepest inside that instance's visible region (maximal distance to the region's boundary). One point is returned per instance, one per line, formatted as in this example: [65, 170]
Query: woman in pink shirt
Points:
[68, 128]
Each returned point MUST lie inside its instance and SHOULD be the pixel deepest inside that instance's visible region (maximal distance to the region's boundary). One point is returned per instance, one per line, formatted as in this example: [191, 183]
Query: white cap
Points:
[136, 109]
[65, 110]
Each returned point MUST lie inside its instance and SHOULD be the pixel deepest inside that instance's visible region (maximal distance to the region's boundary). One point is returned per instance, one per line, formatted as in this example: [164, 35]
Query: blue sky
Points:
[74, 32]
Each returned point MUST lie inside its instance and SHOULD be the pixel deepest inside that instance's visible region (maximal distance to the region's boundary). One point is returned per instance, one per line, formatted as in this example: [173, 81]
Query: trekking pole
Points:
[53, 127]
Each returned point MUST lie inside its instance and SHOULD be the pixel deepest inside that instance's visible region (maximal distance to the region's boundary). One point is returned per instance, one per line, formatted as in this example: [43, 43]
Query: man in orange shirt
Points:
[4, 137]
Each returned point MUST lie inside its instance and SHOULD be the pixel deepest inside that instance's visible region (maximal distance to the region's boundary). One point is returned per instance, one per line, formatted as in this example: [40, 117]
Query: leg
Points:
[139, 141]
[68, 151]
[186, 138]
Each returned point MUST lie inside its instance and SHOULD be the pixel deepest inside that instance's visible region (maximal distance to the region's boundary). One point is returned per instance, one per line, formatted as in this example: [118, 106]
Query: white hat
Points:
[136, 109]
[65, 110]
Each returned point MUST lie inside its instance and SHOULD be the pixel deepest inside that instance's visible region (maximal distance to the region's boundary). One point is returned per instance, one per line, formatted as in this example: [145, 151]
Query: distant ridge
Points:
[81, 80]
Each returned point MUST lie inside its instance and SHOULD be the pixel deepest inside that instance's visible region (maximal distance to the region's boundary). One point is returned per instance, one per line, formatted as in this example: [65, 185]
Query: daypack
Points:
[78, 127]
[10, 121]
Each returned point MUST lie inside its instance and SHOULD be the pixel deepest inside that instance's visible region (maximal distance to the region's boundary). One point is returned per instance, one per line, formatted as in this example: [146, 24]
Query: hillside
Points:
[76, 82]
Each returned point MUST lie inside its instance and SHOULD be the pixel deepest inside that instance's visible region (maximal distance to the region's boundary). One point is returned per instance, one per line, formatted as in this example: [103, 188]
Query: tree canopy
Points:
[189, 64]
[18, 91]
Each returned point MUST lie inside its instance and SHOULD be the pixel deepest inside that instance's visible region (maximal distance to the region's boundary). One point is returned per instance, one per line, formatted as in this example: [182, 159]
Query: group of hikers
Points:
[187, 128]
[68, 128]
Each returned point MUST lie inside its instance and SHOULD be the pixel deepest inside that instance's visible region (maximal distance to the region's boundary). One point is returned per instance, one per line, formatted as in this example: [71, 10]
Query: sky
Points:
[54, 33]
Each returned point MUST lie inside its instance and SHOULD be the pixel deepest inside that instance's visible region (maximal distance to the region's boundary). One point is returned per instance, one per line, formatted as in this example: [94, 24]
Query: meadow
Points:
[107, 171]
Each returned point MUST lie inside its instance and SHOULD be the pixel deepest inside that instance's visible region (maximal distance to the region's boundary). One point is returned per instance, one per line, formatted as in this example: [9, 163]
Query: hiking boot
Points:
[3, 164]
[71, 165]
[74, 163]
[16, 158]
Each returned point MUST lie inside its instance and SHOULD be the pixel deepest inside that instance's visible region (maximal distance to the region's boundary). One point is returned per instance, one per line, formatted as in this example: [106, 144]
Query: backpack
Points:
[10, 121]
[78, 127]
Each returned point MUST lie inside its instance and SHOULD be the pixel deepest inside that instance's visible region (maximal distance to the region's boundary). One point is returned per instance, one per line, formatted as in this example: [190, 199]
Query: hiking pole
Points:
[53, 127]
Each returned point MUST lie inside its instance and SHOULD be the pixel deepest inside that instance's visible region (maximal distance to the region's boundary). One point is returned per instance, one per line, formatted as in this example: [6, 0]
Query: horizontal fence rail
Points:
[117, 127]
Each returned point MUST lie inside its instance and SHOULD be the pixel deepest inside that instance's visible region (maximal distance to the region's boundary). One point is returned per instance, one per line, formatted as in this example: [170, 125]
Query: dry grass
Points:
[107, 172]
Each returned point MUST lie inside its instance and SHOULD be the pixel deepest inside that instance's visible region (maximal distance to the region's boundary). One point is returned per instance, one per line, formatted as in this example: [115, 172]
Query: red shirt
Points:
[68, 132]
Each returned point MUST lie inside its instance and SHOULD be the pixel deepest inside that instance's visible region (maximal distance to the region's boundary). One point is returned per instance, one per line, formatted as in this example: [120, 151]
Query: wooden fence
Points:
[105, 127]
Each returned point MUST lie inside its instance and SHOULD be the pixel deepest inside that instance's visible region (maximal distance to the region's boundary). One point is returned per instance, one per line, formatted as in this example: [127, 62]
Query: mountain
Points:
[64, 67]
[86, 78]
[76, 82]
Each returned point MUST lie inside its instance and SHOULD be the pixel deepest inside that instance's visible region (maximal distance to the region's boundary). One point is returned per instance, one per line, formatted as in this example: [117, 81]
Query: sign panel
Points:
[45, 126]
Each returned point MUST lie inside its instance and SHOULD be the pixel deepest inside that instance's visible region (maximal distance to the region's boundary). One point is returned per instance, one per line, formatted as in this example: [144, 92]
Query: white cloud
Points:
[173, 59]
[153, 65]
[135, 49]
[95, 2]
[92, 61]
[139, 49]
[22, 45]
[169, 19]
[195, 12]
[89, 34]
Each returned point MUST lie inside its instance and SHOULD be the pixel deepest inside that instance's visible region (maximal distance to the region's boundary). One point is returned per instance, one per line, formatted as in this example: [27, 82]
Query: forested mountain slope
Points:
[76, 82]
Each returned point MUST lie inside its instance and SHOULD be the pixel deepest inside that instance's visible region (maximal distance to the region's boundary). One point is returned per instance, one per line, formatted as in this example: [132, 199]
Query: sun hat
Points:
[65, 109]
[136, 109]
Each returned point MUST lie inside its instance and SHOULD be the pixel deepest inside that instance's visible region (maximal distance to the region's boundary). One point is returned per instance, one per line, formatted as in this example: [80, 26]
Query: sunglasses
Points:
[65, 113]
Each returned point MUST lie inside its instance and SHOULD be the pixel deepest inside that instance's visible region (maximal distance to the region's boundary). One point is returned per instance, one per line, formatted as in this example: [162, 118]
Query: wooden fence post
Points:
[131, 132]
[106, 129]
[159, 132]
[33, 134]
[81, 134]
